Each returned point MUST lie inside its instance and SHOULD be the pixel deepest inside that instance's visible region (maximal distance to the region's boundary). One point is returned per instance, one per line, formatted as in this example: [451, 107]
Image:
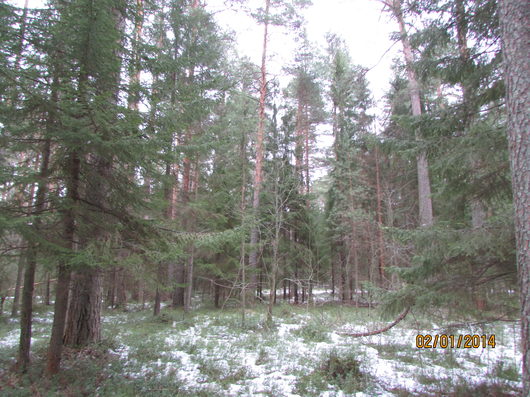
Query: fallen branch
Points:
[378, 331]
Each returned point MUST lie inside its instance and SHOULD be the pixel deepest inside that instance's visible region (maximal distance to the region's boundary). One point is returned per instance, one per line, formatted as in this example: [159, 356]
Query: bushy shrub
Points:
[340, 370]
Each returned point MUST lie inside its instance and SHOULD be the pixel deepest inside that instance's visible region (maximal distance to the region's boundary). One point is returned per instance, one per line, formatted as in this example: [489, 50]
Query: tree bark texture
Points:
[515, 22]
[84, 312]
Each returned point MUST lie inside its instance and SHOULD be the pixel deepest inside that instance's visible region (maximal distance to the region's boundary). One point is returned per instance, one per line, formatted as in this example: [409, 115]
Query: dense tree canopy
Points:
[142, 159]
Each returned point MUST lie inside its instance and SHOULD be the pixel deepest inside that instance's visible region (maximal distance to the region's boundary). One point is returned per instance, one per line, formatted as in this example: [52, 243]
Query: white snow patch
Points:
[11, 339]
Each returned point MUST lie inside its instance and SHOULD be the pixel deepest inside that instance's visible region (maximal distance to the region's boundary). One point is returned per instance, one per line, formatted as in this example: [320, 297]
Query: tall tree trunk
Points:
[62, 287]
[478, 210]
[189, 281]
[121, 289]
[278, 223]
[299, 145]
[18, 283]
[22, 253]
[295, 284]
[379, 219]
[217, 292]
[158, 300]
[355, 264]
[20, 47]
[29, 274]
[110, 299]
[333, 277]
[243, 206]
[26, 314]
[171, 192]
[424, 184]
[306, 165]
[515, 20]
[83, 325]
[254, 234]
[160, 277]
[55, 347]
[343, 275]
[178, 292]
[186, 275]
[47, 289]
[136, 71]
[84, 312]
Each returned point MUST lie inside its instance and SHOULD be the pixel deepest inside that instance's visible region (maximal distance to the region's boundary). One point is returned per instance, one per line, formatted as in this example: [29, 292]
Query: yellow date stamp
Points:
[444, 341]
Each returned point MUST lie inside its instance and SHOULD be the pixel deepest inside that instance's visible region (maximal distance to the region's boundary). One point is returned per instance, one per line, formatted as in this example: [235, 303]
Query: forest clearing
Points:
[164, 164]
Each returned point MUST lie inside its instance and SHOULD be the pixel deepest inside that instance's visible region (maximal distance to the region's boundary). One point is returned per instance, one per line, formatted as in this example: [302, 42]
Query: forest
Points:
[178, 220]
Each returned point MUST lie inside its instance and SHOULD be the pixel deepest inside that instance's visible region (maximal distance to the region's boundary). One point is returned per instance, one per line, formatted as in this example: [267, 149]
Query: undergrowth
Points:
[299, 353]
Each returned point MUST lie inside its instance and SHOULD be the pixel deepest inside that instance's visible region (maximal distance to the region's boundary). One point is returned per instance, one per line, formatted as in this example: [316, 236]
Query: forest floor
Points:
[210, 353]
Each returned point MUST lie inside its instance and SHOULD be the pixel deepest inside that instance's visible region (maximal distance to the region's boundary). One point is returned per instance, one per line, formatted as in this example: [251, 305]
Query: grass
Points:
[313, 331]
[212, 353]
[398, 351]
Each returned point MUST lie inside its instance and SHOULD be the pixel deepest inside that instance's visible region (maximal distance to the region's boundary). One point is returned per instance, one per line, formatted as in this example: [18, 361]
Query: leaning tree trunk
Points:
[515, 20]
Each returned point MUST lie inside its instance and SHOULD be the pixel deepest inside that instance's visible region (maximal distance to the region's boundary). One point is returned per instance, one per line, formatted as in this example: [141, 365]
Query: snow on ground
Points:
[212, 357]
[10, 339]
[211, 352]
